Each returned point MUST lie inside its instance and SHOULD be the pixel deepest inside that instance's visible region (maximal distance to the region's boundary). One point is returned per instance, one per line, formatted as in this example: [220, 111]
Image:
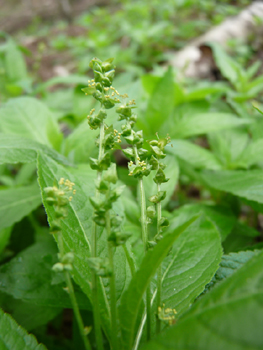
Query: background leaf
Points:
[28, 117]
[15, 203]
[14, 337]
[15, 149]
[241, 183]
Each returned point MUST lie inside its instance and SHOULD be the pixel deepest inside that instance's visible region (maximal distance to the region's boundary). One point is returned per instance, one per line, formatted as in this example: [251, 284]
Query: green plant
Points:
[134, 281]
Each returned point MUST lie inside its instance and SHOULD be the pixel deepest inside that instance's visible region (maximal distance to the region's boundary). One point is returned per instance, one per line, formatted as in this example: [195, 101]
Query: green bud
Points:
[68, 258]
[98, 96]
[100, 266]
[58, 267]
[102, 186]
[128, 152]
[157, 198]
[126, 130]
[116, 221]
[154, 163]
[151, 211]
[89, 90]
[110, 174]
[68, 267]
[108, 102]
[160, 177]
[55, 226]
[51, 200]
[164, 222]
[124, 111]
[115, 193]
[157, 151]
[162, 143]
[99, 220]
[118, 238]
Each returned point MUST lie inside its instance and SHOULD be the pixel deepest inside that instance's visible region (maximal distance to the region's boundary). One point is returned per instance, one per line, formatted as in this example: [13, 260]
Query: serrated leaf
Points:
[197, 156]
[29, 277]
[14, 337]
[132, 298]
[190, 265]
[229, 317]
[28, 117]
[15, 149]
[15, 203]
[247, 184]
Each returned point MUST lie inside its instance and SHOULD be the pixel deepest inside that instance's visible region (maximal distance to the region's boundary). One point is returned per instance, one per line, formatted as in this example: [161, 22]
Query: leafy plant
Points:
[141, 265]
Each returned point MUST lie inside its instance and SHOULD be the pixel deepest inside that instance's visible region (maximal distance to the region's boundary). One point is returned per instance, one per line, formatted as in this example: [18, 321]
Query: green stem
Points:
[76, 311]
[145, 242]
[113, 303]
[73, 297]
[95, 299]
[159, 271]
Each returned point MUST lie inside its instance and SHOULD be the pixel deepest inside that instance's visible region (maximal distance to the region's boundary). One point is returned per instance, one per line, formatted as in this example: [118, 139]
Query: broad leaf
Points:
[160, 105]
[247, 184]
[132, 298]
[190, 265]
[15, 337]
[28, 117]
[14, 149]
[29, 277]
[252, 153]
[197, 156]
[15, 203]
[219, 319]
[197, 124]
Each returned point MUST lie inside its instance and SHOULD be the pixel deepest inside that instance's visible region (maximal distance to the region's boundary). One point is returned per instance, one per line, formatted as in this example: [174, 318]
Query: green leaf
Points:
[28, 117]
[196, 124]
[14, 149]
[197, 156]
[190, 265]
[76, 231]
[229, 317]
[72, 79]
[160, 105]
[252, 154]
[228, 145]
[80, 144]
[29, 277]
[171, 172]
[227, 66]
[15, 203]
[132, 298]
[15, 64]
[28, 315]
[221, 217]
[247, 184]
[15, 337]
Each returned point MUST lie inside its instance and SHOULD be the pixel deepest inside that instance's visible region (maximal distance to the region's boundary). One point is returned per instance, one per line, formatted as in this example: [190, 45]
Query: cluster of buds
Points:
[59, 197]
[167, 314]
[138, 167]
[65, 263]
[157, 148]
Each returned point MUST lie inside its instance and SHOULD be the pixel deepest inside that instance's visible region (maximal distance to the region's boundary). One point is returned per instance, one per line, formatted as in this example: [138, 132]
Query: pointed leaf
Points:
[132, 298]
[229, 317]
[15, 337]
[14, 149]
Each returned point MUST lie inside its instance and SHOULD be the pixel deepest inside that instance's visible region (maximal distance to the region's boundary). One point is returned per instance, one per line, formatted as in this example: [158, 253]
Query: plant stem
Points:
[145, 242]
[159, 271]
[76, 311]
[96, 310]
[73, 298]
[113, 304]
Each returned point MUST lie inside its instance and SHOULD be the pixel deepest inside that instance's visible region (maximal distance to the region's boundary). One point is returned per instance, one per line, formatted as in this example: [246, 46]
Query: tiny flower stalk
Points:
[106, 192]
[157, 148]
[59, 197]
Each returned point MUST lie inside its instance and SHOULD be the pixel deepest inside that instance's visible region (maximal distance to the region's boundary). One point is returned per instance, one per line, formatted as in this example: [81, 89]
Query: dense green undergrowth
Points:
[196, 283]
